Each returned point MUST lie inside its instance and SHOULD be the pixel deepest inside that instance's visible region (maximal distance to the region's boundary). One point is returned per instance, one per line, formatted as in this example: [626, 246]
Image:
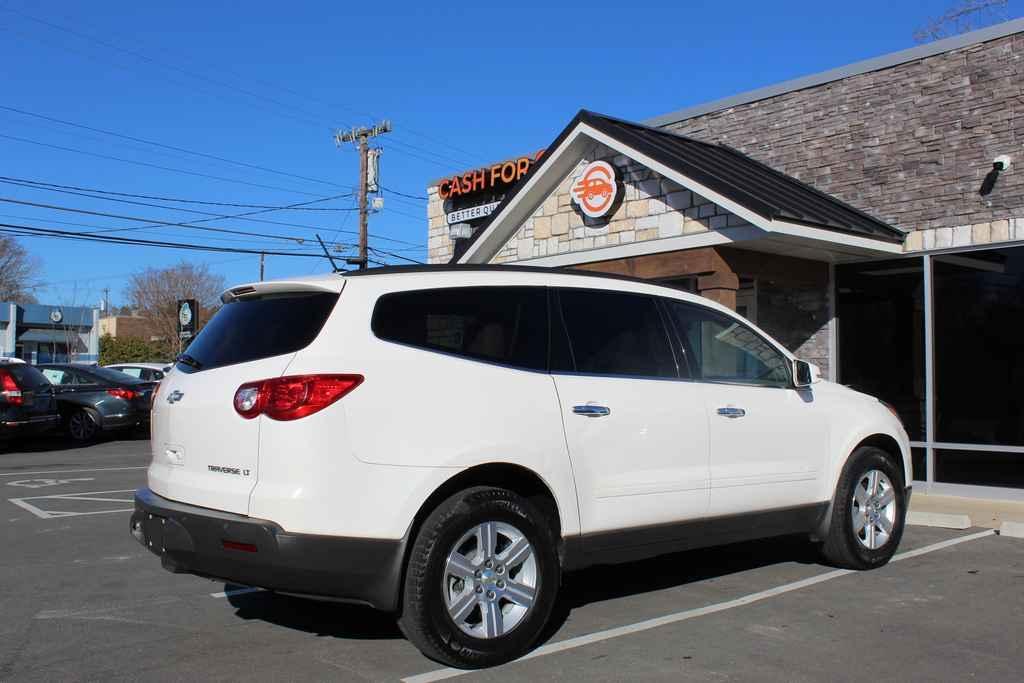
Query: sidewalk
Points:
[983, 513]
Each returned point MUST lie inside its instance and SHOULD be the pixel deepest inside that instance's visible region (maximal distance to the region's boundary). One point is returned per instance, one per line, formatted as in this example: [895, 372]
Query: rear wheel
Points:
[482, 579]
[868, 511]
[82, 426]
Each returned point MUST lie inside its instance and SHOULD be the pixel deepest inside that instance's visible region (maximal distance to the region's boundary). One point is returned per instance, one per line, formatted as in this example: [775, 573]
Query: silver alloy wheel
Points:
[81, 425]
[489, 582]
[873, 509]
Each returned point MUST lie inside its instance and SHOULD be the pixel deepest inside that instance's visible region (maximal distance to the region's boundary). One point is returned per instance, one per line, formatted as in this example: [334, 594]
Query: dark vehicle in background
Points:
[27, 403]
[92, 400]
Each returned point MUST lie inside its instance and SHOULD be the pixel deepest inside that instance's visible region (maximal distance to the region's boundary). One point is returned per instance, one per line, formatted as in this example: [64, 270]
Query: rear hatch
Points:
[204, 452]
[36, 403]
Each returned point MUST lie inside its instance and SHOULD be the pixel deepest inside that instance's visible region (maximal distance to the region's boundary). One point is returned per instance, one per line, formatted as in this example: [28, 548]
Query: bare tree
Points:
[154, 293]
[17, 267]
[964, 16]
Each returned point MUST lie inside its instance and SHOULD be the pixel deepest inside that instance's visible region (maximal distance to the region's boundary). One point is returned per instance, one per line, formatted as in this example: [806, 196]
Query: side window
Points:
[156, 375]
[722, 349]
[499, 324]
[615, 333]
[81, 377]
[134, 372]
[56, 376]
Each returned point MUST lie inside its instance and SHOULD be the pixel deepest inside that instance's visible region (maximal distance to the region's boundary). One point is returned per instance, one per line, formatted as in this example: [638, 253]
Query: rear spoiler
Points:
[256, 289]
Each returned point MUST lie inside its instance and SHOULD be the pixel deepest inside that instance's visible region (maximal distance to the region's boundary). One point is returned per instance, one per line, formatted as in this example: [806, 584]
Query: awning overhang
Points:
[47, 336]
[784, 215]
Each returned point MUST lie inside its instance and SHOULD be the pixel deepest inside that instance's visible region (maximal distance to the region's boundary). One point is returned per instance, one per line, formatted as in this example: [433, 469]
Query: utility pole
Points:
[106, 301]
[361, 137]
[262, 256]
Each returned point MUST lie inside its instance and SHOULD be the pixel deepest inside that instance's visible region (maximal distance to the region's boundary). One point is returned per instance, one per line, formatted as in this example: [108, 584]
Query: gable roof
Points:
[724, 171]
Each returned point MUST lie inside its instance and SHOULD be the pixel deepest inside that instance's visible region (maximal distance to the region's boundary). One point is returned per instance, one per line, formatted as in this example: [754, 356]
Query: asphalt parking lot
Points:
[81, 600]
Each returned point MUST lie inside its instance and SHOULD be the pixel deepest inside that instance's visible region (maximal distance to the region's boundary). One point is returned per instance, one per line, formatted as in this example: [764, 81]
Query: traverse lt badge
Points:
[175, 396]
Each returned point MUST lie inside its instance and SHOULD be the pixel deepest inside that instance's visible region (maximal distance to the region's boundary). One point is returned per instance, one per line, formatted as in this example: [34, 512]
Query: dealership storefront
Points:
[39, 333]
[856, 215]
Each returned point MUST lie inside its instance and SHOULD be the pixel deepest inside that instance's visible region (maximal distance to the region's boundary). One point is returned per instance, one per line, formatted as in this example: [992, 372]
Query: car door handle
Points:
[731, 412]
[590, 410]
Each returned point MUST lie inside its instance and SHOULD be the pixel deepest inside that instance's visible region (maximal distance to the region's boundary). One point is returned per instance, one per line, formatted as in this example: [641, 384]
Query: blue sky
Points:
[263, 84]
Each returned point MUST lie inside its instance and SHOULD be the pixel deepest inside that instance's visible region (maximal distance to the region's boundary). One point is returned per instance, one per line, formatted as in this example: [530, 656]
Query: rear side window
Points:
[132, 372]
[616, 333]
[25, 375]
[251, 329]
[505, 325]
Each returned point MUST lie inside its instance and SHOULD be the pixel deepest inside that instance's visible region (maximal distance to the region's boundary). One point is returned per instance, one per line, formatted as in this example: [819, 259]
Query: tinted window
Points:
[250, 329]
[25, 375]
[613, 333]
[499, 324]
[106, 375]
[719, 348]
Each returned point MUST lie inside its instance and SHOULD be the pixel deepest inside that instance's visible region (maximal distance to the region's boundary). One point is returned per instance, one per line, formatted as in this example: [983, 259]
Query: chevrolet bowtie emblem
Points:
[175, 396]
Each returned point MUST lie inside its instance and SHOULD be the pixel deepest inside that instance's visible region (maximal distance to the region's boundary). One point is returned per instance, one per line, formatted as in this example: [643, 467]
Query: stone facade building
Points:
[838, 211]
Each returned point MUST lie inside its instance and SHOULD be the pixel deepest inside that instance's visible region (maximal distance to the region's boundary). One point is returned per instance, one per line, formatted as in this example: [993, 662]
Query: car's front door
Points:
[636, 430]
[768, 439]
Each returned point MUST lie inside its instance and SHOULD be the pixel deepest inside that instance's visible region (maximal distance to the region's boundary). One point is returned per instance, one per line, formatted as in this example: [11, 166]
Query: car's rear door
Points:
[635, 426]
[205, 453]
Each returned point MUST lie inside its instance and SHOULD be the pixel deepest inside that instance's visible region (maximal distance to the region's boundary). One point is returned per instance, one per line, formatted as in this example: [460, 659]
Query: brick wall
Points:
[909, 144]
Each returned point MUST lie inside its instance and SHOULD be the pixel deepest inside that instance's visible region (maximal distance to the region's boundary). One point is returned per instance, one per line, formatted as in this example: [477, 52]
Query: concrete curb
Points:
[1012, 529]
[940, 519]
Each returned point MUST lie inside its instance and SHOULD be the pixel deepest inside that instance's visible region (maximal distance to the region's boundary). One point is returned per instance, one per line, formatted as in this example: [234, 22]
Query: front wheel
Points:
[482, 579]
[868, 511]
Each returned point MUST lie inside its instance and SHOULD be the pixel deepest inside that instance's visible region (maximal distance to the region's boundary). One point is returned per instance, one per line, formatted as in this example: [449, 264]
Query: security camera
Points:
[1001, 163]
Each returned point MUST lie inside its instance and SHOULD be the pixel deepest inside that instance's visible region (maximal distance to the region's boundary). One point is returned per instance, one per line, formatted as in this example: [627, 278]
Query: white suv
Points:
[446, 442]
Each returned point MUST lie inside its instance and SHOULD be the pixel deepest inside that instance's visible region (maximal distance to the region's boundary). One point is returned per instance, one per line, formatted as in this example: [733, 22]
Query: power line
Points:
[158, 166]
[32, 231]
[248, 93]
[171, 147]
[153, 223]
[401, 194]
[28, 182]
[246, 215]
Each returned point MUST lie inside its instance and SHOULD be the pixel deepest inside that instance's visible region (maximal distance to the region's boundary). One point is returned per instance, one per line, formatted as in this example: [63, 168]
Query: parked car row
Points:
[83, 400]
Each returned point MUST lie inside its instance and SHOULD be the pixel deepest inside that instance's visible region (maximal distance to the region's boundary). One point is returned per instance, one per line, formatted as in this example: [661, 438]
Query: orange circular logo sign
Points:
[595, 189]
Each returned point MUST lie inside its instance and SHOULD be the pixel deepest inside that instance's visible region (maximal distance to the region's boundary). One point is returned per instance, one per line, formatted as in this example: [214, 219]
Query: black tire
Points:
[82, 426]
[425, 620]
[843, 546]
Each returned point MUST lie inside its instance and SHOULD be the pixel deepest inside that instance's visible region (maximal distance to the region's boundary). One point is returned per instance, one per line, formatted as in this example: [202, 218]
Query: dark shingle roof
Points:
[734, 175]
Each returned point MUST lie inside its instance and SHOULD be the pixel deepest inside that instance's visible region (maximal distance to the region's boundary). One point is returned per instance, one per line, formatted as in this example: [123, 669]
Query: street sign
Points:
[188, 316]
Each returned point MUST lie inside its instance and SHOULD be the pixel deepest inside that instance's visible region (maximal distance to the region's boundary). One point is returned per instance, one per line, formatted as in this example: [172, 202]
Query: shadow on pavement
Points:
[595, 584]
[59, 441]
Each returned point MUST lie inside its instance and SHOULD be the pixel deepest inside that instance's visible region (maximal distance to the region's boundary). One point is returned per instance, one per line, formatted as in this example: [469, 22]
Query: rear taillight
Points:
[126, 394]
[289, 398]
[10, 392]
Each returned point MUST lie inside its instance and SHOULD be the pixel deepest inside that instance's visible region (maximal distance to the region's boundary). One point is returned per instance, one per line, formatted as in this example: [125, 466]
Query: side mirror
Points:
[805, 374]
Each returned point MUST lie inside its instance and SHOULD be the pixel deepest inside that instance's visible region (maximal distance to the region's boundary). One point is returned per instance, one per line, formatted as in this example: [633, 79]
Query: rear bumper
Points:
[190, 539]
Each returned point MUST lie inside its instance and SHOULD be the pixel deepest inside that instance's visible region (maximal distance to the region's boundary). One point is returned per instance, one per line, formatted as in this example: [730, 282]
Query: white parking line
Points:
[102, 469]
[237, 591]
[86, 495]
[579, 641]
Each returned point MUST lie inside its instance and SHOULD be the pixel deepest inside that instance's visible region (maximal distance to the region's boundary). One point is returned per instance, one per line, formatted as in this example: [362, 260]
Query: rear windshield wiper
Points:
[188, 360]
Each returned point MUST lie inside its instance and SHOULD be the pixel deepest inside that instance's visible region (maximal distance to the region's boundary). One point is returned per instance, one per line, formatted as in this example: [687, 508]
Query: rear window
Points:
[251, 329]
[109, 375]
[25, 375]
[505, 325]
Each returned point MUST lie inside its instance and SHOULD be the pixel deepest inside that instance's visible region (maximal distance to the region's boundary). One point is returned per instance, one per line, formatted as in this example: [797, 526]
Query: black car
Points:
[27, 402]
[94, 399]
